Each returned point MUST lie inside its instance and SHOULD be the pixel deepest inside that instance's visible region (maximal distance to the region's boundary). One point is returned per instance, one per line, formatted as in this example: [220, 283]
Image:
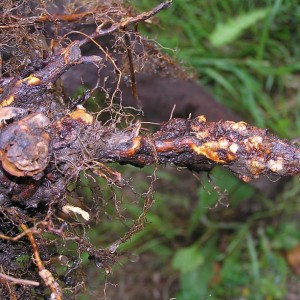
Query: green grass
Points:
[219, 253]
[248, 56]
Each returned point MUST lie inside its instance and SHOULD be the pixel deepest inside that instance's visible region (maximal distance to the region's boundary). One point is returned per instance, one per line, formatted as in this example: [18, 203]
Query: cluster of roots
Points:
[49, 142]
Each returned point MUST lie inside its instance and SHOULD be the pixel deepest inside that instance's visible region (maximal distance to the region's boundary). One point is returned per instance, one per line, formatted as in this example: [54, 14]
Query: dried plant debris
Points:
[48, 142]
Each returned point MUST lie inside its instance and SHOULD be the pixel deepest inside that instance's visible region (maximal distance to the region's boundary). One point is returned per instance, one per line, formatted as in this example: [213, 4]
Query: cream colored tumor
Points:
[276, 165]
[223, 143]
[239, 126]
[256, 166]
[233, 148]
[256, 141]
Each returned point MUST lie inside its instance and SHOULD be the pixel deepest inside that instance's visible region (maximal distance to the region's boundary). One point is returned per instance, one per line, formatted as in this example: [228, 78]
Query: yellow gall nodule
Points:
[7, 101]
[201, 118]
[230, 156]
[81, 114]
[208, 150]
[256, 166]
[32, 80]
[256, 141]
[239, 126]
[136, 142]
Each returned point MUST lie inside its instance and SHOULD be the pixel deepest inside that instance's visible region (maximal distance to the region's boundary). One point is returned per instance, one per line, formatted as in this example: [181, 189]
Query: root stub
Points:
[246, 150]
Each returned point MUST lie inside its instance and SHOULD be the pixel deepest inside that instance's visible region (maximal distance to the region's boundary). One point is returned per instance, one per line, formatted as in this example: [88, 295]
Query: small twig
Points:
[127, 22]
[45, 274]
[44, 18]
[73, 17]
[34, 247]
[15, 238]
[18, 280]
[172, 112]
[67, 18]
[131, 69]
